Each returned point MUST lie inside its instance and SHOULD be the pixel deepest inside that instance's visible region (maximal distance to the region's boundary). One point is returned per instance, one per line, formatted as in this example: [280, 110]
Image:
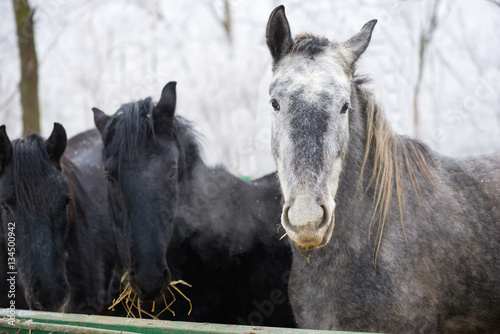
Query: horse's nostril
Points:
[285, 219]
[65, 286]
[131, 273]
[34, 291]
[166, 276]
[286, 208]
[324, 217]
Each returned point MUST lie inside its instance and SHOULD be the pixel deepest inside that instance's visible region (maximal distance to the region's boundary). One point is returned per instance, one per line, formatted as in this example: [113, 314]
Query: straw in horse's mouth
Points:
[131, 302]
[278, 231]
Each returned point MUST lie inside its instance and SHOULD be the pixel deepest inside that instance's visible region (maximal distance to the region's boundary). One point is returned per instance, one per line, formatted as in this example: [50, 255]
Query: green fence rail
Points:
[33, 322]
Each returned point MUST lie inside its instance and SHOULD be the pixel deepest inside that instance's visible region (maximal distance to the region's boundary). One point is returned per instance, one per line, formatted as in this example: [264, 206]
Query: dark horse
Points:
[214, 230]
[389, 236]
[54, 228]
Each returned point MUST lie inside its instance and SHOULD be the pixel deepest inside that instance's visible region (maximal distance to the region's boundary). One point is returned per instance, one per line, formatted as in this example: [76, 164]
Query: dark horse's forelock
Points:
[31, 166]
[132, 127]
[31, 152]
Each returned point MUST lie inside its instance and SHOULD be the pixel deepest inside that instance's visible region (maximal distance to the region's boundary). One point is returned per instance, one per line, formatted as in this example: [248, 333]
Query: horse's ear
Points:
[278, 35]
[56, 143]
[100, 119]
[5, 147]
[358, 43]
[163, 112]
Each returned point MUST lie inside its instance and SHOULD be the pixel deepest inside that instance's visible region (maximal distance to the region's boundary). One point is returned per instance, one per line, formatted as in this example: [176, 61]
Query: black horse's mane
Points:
[133, 128]
[31, 151]
[76, 190]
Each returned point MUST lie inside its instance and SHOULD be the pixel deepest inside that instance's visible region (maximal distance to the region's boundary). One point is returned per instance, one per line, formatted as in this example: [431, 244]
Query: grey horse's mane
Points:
[391, 154]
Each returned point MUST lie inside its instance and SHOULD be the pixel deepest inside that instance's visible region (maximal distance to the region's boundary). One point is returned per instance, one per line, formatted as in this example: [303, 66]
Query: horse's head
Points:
[310, 93]
[140, 158]
[34, 196]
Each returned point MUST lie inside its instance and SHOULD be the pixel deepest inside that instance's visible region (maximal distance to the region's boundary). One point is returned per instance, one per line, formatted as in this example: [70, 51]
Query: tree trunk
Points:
[29, 66]
[425, 38]
[227, 21]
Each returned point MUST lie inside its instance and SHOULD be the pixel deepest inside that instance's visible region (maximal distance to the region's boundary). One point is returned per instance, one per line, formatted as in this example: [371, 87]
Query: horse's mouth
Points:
[308, 240]
[308, 247]
[148, 295]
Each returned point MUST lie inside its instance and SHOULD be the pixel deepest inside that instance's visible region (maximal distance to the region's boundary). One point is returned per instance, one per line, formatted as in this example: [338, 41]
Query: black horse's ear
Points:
[56, 143]
[278, 35]
[5, 147]
[358, 43]
[163, 112]
[100, 119]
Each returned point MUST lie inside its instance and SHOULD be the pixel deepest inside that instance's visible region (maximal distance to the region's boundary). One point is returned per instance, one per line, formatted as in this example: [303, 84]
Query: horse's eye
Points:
[345, 107]
[172, 175]
[68, 200]
[275, 104]
[110, 179]
[5, 206]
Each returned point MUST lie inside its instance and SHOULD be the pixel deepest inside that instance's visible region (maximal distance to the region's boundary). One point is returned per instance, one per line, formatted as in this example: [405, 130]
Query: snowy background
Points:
[106, 53]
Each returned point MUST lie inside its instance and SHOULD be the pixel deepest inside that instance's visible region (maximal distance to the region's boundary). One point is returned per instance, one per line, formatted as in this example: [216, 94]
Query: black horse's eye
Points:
[275, 104]
[68, 200]
[5, 206]
[172, 175]
[345, 107]
[110, 179]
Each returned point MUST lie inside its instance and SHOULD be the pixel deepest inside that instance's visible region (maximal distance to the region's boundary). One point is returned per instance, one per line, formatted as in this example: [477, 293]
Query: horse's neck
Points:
[218, 204]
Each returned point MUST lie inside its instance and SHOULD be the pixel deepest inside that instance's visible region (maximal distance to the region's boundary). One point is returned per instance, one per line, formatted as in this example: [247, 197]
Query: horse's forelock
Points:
[312, 45]
[31, 165]
[309, 44]
[129, 129]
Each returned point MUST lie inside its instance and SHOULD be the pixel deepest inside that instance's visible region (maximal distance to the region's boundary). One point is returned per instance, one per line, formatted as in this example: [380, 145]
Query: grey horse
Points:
[387, 234]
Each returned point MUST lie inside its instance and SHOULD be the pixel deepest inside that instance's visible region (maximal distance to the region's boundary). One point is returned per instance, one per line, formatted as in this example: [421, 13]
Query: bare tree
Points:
[29, 66]
[425, 38]
[225, 20]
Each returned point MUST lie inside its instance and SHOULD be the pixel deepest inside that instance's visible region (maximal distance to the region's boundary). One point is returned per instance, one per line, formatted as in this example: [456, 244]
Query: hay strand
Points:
[131, 302]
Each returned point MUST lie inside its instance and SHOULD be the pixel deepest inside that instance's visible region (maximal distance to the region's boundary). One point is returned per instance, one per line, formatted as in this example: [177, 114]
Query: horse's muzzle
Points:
[309, 228]
[49, 298]
[151, 284]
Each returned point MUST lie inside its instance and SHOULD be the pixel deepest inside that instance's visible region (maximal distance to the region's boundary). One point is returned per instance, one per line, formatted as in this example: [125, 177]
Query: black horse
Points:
[214, 230]
[56, 236]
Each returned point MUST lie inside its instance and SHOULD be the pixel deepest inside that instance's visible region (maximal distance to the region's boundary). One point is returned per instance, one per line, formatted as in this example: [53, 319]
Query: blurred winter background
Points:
[439, 59]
